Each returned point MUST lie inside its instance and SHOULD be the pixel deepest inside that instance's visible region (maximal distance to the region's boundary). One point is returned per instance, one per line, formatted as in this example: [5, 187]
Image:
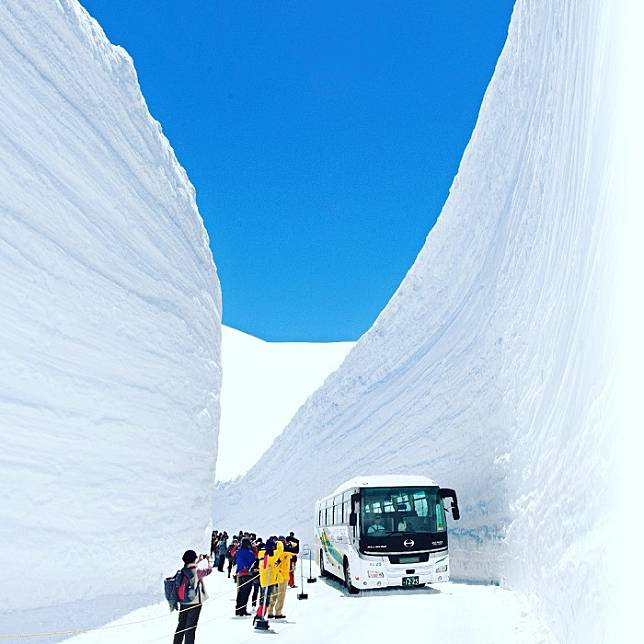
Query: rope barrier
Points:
[208, 621]
[79, 631]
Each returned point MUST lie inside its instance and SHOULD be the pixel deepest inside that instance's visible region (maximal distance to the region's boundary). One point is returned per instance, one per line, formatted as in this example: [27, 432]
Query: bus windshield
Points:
[401, 510]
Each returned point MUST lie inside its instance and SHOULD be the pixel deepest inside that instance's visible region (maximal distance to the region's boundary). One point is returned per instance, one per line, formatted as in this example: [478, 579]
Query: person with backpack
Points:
[245, 560]
[190, 595]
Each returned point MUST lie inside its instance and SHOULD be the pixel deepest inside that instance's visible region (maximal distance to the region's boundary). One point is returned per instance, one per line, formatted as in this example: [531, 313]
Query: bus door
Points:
[354, 506]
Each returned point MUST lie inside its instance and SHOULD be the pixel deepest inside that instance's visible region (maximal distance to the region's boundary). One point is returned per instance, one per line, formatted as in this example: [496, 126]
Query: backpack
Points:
[179, 590]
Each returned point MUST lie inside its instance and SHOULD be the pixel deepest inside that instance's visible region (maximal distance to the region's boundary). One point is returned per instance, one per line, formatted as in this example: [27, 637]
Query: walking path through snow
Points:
[449, 613]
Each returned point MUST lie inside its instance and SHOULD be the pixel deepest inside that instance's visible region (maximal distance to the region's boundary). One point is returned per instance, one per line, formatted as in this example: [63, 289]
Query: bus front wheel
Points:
[352, 590]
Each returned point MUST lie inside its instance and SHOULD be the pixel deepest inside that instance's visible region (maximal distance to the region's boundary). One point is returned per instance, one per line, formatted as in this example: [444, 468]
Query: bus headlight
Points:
[375, 573]
[441, 569]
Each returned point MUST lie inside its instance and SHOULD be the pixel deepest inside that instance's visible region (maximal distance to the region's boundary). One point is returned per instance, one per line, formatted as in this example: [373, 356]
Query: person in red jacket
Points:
[230, 555]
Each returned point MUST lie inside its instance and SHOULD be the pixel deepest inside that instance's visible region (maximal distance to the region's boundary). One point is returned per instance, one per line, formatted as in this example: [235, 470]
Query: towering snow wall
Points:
[109, 319]
[489, 368]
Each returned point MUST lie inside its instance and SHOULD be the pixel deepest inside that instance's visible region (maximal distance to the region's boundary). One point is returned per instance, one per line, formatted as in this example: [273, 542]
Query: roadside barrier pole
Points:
[303, 595]
[311, 579]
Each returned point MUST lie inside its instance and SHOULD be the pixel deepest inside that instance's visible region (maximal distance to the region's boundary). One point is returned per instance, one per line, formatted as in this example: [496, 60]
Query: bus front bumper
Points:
[389, 576]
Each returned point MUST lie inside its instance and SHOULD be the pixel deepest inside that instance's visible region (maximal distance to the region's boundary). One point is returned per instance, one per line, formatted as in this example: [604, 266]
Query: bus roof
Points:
[384, 480]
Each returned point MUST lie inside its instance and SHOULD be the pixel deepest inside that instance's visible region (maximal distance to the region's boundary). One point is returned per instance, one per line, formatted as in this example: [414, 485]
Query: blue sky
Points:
[321, 137]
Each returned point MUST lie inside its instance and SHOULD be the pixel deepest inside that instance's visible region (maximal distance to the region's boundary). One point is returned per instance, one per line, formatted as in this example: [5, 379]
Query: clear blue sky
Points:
[321, 137]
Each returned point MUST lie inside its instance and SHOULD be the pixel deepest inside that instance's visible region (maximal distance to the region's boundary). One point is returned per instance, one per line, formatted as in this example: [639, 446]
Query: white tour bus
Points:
[378, 531]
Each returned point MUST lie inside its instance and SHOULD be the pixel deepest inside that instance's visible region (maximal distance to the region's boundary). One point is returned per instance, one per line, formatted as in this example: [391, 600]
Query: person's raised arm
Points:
[203, 571]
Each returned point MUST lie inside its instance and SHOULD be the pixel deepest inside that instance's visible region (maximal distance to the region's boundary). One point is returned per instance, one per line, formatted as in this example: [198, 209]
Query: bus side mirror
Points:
[448, 493]
[353, 519]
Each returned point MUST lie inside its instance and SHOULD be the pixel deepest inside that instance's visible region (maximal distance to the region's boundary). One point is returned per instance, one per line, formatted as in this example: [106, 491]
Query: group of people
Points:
[262, 571]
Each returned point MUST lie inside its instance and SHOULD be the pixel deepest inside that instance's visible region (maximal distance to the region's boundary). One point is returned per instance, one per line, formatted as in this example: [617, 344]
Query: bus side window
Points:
[346, 507]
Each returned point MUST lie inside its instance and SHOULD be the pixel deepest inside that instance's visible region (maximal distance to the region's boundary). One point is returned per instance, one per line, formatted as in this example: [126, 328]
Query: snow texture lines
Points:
[109, 391]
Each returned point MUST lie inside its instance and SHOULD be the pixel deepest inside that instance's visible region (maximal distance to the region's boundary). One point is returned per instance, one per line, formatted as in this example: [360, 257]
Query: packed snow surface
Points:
[110, 318]
[489, 368]
[444, 613]
[264, 384]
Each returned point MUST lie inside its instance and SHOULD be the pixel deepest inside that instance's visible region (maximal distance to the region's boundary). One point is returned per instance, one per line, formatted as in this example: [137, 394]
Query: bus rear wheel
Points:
[352, 590]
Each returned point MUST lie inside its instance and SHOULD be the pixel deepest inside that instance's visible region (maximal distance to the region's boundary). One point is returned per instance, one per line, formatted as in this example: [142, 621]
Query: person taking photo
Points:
[191, 596]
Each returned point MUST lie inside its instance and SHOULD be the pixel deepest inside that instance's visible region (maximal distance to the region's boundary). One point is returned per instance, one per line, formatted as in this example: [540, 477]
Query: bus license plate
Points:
[410, 581]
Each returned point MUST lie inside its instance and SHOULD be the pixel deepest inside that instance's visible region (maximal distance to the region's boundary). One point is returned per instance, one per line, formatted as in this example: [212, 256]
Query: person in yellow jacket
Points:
[268, 574]
[283, 558]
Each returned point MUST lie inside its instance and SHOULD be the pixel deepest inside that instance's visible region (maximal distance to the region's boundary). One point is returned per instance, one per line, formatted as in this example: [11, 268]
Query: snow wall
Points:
[110, 318]
[489, 369]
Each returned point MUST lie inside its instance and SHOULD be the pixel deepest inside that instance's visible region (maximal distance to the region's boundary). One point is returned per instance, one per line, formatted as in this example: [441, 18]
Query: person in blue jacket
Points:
[245, 558]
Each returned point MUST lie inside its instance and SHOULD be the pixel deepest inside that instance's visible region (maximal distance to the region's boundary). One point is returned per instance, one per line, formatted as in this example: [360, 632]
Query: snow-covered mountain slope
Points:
[110, 323]
[489, 368]
[263, 386]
